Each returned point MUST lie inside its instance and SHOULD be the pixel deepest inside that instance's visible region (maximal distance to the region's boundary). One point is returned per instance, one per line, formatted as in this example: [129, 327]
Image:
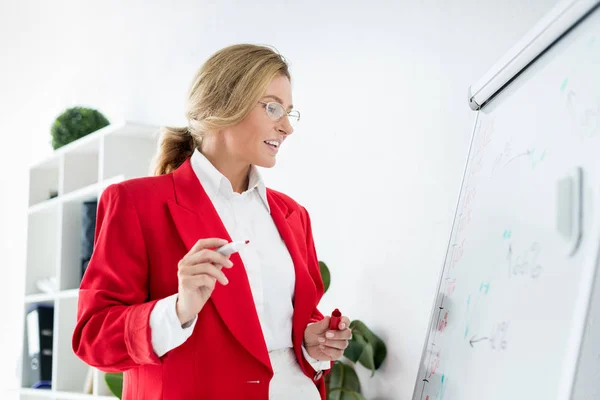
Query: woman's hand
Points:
[324, 344]
[198, 273]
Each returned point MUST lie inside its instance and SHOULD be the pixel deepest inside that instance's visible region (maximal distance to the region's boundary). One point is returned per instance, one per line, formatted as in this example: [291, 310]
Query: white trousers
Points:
[289, 382]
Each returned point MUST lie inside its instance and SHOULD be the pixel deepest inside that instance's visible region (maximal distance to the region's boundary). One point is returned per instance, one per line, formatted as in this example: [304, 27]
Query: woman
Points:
[159, 303]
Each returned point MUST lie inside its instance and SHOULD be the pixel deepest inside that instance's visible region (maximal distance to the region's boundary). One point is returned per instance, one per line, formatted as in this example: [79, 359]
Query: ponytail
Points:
[176, 146]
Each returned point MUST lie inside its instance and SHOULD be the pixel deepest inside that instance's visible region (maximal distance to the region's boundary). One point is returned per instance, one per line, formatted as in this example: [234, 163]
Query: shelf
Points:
[50, 297]
[58, 188]
[131, 129]
[124, 129]
[80, 396]
[61, 395]
[40, 298]
[37, 393]
[121, 148]
[44, 205]
[68, 294]
[84, 193]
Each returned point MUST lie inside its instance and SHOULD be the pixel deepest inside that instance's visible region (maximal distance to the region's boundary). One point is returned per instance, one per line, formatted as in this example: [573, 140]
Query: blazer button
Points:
[318, 375]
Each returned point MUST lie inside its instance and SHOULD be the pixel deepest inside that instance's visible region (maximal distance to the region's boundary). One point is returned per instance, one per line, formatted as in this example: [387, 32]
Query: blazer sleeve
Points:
[112, 331]
[314, 270]
[313, 266]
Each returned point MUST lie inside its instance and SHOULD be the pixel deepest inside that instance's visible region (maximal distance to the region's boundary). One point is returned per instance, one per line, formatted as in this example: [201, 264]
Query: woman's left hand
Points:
[324, 344]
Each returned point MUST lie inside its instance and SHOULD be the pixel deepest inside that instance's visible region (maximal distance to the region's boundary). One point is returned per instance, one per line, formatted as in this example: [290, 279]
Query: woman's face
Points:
[246, 141]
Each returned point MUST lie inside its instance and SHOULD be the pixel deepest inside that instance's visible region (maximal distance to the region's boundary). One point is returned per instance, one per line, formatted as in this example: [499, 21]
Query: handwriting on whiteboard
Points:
[443, 322]
[450, 286]
[507, 156]
[458, 254]
[474, 303]
[439, 394]
[497, 340]
[484, 138]
[434, 365]
[584, 113]
[442, 388]
[524, 263]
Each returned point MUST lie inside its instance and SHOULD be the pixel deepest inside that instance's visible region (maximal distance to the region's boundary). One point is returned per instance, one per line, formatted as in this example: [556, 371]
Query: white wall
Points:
[377, 159]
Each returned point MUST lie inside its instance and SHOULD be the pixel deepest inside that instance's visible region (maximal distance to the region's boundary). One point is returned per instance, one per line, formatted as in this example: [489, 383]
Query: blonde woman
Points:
[159, 303]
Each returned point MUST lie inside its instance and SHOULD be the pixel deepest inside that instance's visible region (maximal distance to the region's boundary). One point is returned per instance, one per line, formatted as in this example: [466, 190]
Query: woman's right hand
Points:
[198, 273]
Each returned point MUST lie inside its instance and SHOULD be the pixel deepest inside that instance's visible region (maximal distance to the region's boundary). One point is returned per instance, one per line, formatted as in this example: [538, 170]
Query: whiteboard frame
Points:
[432, 313]
[581, 312]
[559, 21]
[564, 17]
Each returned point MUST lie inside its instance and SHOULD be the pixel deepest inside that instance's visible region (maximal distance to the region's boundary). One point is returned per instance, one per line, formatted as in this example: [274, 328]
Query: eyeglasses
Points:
[275, 111]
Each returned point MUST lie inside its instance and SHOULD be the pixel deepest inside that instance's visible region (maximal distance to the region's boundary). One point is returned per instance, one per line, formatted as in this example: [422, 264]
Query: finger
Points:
[198, 281]
[346, 334]
[211, 256]
[204, 269]
[344, 323]
[332, 353]
[336, 344]
[207, 243]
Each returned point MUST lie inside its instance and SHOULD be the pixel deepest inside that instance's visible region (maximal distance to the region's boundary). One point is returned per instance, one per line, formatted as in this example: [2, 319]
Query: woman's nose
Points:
[285, 126]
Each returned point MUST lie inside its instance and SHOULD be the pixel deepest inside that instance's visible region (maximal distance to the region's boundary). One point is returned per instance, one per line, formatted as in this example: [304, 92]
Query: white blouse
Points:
[269, 266]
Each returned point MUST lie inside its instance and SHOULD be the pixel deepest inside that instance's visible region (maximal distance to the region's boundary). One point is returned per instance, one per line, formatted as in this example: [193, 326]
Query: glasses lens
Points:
[294, 117]
[275, 110]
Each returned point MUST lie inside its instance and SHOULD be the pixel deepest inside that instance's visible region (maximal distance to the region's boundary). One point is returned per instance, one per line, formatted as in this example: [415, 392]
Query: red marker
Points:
[336, 318]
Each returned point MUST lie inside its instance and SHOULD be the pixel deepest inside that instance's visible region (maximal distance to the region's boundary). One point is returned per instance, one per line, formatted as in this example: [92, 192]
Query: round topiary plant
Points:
[75, 123]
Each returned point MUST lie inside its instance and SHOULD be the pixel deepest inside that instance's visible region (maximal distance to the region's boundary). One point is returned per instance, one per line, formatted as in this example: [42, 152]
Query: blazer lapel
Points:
[293, 234]
[195, 217]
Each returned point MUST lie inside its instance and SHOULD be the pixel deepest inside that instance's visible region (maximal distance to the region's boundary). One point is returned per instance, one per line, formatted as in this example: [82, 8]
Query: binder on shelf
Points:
[88, 228]
[40, 326]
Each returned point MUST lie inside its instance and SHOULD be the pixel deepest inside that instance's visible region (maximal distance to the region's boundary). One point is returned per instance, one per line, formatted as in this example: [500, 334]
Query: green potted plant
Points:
[75, 123]
[364, 348]
[342, 382]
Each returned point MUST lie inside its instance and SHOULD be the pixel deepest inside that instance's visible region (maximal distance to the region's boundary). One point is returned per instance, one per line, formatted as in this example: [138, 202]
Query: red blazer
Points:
[144, 227]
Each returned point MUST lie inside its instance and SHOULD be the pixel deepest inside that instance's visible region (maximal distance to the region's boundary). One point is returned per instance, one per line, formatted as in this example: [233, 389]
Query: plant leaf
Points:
[353, 396]
[341, 380]
[355, 346]
[367, 359]
[325, 275]
[378, 347]
[114, 381]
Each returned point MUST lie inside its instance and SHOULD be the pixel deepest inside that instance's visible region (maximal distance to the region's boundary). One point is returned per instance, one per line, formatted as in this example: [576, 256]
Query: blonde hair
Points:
[224, 91]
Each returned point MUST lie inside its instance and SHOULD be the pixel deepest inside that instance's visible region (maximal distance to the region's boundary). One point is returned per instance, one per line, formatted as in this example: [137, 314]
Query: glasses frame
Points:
[295, 117]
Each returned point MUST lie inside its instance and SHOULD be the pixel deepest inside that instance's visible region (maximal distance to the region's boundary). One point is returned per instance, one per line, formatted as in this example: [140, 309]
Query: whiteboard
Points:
[514, 313]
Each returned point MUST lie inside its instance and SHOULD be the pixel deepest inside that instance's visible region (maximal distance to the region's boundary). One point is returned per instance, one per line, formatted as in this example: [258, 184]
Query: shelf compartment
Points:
[43, 243]
[44, 180]
[70, 370]
[81, 165]
[28, 377]
[72, 230]
[100, 386]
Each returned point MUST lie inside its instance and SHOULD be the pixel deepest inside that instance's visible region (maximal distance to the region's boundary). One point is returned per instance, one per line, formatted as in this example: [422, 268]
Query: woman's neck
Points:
[238, 173]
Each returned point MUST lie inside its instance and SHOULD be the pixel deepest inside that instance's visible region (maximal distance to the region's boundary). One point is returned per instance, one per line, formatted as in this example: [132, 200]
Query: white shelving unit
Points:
[73, 174]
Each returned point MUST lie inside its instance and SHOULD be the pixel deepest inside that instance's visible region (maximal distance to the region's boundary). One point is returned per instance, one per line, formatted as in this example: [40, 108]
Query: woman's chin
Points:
[266, 163]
